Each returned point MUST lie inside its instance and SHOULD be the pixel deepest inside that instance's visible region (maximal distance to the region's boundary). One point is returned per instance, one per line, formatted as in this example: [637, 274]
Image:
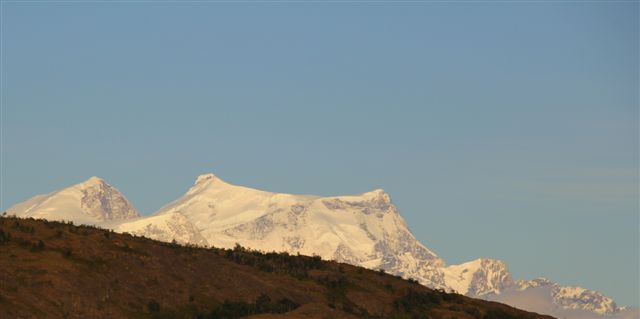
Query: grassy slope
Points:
[57, 270]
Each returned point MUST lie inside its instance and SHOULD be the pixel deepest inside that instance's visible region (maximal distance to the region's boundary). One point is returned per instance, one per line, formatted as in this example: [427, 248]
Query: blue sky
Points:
[500, 130]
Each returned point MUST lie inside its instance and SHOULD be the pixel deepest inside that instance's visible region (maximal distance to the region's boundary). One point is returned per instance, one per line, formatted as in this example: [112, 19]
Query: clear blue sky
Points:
[508, 131]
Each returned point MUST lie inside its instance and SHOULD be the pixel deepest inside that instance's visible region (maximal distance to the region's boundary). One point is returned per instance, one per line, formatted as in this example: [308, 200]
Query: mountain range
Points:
[52, 269]
[363, 230]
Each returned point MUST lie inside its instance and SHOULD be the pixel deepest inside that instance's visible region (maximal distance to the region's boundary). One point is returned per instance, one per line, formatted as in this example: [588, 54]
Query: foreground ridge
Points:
[65, 271]
[363, 230]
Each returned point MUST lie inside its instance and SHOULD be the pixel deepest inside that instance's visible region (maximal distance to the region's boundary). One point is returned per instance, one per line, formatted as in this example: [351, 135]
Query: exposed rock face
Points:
[104, 202]
[576, 298]
[491, 279]
[364, 230]
[479, 277]
[90, 202]
[167, 228]
[580, 298]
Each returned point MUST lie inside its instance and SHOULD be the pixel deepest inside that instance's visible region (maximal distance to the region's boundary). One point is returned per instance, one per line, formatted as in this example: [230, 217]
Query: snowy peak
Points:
[90, 202]
[167, 228]
[377, 201]
[104, 202]
[478, 277]
[580, 298]
[534, 283]
[203, 178]
[209, 179]
[491, 279]
[377, 194]
[202, 182]
[92, 181]
[212, 185]
[363, 229]
[378, 197]
[575, 298]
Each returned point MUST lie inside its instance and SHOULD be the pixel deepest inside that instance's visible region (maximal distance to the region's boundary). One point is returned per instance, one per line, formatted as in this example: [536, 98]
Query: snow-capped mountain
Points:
[364, 229]
[572, 297]
[90, 202]
[167, 227]
[479, 277]
[491, 279]
[544, 296]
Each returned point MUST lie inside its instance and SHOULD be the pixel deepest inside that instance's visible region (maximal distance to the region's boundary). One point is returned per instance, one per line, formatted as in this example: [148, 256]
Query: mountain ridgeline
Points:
[363, 230]
[60, 270]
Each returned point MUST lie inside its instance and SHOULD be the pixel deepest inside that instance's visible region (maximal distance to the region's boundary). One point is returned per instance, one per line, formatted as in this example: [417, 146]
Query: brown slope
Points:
[57, 270]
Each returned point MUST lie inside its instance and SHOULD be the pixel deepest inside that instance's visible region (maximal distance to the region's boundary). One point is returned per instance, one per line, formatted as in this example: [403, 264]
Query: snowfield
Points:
[364, 229]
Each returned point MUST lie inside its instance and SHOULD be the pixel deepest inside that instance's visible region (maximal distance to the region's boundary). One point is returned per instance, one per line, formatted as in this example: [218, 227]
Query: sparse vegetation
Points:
[88, 272]
[263, 304]
[37, 247]
[284, 263]
[23, 228]
[417, 302]
[499, 314]
[4, 237]
[153, 306]
[67, 252]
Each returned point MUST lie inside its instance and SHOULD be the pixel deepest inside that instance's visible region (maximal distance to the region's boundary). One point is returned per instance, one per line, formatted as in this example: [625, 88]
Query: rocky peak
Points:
[204, 178]
[580, 298]
[378, 197]
[533, 283]
[89, 202]
[103, 201]
[93, 180]
[479, 277]
[209, 181]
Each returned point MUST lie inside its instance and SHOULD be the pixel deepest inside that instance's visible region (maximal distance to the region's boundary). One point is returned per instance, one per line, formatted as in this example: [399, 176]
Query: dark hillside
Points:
[58, 270]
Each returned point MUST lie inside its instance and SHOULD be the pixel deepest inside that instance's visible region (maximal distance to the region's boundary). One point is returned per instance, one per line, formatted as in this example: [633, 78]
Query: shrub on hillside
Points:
[417, 303]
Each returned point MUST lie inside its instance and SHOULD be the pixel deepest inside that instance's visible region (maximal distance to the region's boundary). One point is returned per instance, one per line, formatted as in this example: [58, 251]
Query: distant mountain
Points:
[364, 230]
[166, 227]
[490, 279]
[543, 295]
[90, 202]
[56, 270]
[479, 277]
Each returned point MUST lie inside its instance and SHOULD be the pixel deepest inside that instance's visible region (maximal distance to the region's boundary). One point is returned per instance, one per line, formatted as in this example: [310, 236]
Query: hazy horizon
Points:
[507, 131]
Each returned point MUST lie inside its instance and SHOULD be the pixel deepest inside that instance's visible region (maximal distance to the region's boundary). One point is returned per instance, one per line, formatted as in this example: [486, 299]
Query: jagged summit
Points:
[569, 297]
[208, 177]
[90, 202]
[364, 229]
[93, 180]
[536, 282]
[204, 177]
[211, 180]
[209, 183]
[478, 277]
[377, 193]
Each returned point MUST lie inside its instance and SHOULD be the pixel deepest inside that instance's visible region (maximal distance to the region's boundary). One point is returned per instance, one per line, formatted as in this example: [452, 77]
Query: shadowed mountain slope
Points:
[58, 270]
